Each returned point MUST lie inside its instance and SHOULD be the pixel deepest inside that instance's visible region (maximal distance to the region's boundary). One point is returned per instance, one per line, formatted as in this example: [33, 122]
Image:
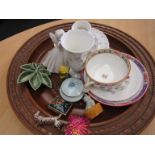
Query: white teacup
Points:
[107, 68]
[77, 44]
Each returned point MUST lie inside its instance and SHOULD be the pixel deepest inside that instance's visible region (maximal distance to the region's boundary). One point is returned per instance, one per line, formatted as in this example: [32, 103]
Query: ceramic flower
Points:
[77, 125]
[35, 74]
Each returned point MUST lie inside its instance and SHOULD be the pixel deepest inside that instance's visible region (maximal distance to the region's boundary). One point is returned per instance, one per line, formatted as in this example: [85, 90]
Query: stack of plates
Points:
[135, 90]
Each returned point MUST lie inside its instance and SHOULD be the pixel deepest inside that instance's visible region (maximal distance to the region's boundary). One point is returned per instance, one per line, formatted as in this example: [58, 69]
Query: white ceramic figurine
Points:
[56, 57]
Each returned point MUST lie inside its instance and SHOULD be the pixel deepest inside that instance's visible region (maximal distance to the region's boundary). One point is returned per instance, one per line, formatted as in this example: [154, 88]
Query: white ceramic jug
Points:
[76, 44]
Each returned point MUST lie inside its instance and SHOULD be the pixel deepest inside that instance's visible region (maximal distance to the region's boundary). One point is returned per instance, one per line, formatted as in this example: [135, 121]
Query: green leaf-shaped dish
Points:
[35, 74]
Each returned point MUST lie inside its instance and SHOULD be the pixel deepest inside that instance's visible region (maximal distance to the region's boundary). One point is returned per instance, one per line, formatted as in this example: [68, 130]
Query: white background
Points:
[77, 9]
[77, 145]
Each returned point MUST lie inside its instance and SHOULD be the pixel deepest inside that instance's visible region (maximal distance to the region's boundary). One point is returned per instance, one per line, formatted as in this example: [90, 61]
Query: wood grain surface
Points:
[142, 30]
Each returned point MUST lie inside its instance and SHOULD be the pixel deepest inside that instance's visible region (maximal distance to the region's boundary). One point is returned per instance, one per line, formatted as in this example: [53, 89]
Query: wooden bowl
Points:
[114, 120]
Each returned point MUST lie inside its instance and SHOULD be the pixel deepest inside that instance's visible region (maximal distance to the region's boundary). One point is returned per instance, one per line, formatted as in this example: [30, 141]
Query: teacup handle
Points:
[88, 85]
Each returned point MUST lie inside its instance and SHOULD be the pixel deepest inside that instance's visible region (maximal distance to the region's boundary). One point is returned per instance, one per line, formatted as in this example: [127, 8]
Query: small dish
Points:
[107, 67]
[70, 99]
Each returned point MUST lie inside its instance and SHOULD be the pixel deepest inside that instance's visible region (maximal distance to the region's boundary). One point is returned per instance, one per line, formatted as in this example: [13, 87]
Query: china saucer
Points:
[136, 88]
